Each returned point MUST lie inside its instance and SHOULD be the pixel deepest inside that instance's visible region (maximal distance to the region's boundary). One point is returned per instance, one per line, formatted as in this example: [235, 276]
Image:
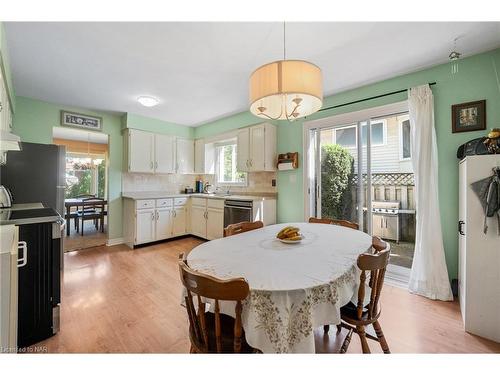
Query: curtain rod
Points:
[370, 98]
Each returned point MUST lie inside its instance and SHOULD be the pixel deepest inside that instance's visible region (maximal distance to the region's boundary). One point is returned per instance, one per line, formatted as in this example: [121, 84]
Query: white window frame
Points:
[402, 119]
[373, 122]
[217, 165]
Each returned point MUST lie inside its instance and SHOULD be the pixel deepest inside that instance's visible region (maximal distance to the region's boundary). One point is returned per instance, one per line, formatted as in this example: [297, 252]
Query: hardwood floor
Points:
[119, 300]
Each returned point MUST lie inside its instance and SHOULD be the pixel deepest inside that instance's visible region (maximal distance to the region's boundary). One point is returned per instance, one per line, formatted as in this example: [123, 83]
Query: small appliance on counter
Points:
[199, 186]
[5, 197]
[188, 190]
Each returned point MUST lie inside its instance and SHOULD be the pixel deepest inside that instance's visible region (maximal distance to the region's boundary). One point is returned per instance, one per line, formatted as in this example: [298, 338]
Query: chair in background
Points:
[94, 212]
[74, 215]
[356, 318]
[344, 223]
[214, 332]
[242, 227]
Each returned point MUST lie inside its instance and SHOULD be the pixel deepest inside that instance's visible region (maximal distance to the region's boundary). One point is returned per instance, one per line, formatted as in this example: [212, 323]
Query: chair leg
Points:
[326, 328]
[83, 225]
[339, 328]
[381, 337]
[362, 338]
[346, 342]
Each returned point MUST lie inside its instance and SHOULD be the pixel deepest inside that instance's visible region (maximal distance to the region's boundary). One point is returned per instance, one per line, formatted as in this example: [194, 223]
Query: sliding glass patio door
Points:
[358, 168]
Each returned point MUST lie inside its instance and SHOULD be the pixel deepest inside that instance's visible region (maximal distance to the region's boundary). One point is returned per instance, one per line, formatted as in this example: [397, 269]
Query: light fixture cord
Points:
[284, 41]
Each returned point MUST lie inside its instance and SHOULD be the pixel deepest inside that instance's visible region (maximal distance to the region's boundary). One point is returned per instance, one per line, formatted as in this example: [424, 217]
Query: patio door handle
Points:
[460, 227]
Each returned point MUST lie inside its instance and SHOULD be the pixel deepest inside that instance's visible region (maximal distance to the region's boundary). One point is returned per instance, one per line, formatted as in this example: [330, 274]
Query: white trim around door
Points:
[336, 120]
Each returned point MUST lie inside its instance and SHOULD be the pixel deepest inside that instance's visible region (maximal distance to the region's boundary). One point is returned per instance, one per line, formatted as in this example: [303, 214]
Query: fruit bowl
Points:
[289, 235]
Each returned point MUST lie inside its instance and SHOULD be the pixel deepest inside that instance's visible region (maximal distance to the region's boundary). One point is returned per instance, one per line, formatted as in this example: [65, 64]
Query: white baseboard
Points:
[115, 241]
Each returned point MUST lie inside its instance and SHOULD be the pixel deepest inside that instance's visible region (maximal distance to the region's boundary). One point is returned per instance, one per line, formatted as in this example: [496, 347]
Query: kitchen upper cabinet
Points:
[164, 223]
[204, 157]
[256, 148]
[164, 153]
[215, 223]
[5, 111]
[185, 156]
[243, 150]
[145, 226]
[140, 151]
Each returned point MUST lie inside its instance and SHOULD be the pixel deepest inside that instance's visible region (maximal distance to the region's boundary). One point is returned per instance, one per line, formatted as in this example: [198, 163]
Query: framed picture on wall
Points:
[81, 121]
[468, 117]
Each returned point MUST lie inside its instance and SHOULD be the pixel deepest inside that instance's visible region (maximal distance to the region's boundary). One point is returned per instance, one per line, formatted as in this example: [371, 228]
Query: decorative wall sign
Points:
[81, 121]
[468, 117]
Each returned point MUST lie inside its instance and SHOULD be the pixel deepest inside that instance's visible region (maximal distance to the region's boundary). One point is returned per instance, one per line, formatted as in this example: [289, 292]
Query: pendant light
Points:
[286, 89]
[454, 56]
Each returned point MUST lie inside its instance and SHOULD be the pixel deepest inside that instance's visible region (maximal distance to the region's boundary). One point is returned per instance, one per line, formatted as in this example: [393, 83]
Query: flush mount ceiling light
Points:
[148, 101]
[286, 89]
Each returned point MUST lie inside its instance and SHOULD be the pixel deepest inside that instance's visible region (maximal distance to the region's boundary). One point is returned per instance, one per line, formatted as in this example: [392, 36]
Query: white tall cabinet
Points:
[479, 253]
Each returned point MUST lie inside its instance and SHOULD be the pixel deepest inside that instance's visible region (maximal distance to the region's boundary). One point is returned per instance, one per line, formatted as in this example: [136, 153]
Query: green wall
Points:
[476, 79]
[33, 122]
[133, 121]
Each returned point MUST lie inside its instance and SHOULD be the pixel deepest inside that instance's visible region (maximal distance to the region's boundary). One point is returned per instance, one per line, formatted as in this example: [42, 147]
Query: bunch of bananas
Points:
[289, 233]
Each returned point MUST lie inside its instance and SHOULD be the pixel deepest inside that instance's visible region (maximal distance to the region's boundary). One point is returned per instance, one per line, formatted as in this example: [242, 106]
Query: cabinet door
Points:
[3, 104]
[164, 153]
[257, 148]
[163, 223]
[215, 223]
[242, 150]
[199, 156]
[180, 224]
[140, 151]
[144, 226]
[185, 155]
[198, 221]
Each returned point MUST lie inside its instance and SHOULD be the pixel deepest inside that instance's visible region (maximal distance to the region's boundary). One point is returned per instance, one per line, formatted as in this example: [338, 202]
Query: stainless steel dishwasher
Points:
[236, 211]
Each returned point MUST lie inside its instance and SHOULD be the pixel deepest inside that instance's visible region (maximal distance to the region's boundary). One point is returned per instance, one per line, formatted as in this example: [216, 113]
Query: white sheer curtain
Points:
[429, 276]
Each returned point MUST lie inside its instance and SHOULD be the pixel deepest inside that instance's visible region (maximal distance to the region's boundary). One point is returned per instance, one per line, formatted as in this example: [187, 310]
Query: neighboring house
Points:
[390, 144]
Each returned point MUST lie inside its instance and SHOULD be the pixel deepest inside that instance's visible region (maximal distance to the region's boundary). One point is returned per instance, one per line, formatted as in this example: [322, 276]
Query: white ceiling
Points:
[199, 71]
[79, 135]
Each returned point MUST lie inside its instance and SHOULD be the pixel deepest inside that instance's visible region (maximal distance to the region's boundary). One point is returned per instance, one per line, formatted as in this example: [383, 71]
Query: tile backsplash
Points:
[258, 182]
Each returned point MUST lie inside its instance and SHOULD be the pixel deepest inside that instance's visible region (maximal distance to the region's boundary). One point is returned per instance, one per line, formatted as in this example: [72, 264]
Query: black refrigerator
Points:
[35, 174]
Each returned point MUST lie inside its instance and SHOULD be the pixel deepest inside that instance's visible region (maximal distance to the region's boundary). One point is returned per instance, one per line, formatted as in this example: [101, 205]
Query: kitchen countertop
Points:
[160, 194]
[28, 215]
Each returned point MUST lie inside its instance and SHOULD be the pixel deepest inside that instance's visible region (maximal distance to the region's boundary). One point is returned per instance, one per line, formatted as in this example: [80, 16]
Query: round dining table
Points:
[294, 288]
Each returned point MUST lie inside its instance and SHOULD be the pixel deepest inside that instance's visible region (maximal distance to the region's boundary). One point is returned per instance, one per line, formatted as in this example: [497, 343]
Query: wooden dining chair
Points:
[242, 227]
[377, 246]
[356, 317]
[94, 212]
[344, 223]
[214, 332]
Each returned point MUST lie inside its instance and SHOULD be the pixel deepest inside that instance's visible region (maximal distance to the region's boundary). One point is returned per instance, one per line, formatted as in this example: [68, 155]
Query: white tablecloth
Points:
[294, 288]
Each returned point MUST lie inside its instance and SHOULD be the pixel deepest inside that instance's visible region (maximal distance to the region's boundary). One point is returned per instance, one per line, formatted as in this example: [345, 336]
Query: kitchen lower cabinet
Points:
[179, 223]
[215, 223]
[145, 226]
[164, 223]
[198, 221]
[207, 218]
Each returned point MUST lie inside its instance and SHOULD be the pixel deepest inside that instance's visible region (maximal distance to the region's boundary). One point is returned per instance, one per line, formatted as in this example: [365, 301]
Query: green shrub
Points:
[337, 171]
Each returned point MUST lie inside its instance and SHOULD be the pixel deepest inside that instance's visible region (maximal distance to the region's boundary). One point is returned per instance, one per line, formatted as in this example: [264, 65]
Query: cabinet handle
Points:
[460, 227]
[157, 215]
[156, 165]
[175, 213]
[151, 164]
[21, 262]
[152, 215]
